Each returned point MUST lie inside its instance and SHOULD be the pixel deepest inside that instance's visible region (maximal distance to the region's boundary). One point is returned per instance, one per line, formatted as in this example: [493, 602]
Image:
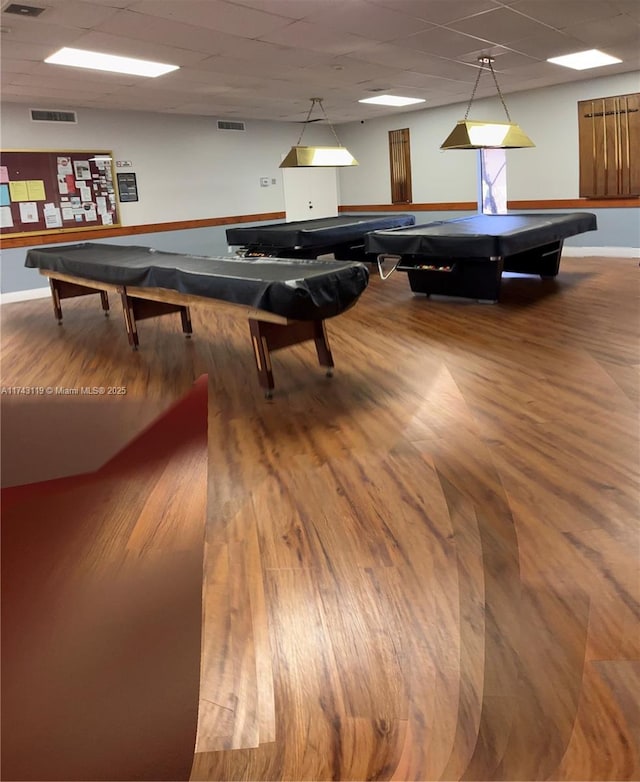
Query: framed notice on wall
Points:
[47, 191]
[127, 187]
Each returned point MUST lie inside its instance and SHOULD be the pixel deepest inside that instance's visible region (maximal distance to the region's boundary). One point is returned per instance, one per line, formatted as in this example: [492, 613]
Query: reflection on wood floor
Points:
[426, 567]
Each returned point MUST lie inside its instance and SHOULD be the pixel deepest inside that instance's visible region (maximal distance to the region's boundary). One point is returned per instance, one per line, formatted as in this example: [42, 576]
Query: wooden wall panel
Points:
[400, 166]
[609, 140]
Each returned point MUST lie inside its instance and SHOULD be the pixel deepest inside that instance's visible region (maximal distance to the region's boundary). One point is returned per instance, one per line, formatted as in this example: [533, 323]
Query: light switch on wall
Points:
[264, 181]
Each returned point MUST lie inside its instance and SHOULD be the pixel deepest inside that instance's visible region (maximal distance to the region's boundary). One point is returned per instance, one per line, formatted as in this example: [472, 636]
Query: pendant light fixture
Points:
[474, 134]
[307, 157]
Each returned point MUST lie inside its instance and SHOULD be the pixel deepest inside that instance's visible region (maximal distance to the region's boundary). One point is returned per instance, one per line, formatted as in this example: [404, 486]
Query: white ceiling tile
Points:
[405, 58]
[499, 26]
[294, 9]
[355, 17]
[619, 30]
[320, 39]
[391, 55]
[437, 11]
[152, 97]
[346, 71]
[444, 42]
[11, 66]
[562, 13]
[431, 84]
[246, 68]
[630, 56]
[447, 69]
[75, 13]
[47, 94]
[547, 44]
[108, 3]
[261, 52]
[201, 109]
[527, 72]
[217, 15]
[31, 31]
[629, 7]
[131, 24]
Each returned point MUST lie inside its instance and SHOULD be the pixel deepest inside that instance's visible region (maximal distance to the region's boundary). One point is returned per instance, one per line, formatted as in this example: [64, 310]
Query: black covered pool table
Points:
[286, 301]
[342, 236]
[466, 256]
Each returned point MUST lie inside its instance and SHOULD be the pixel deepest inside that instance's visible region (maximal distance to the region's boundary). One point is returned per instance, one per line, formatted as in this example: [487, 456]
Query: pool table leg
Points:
[260, 343]
[55, 298]
[543, 261]
[322, 346]
[129, 320]
[61, 289]
[104, 300]
[185, 317]
[137, 308]
[267, 337]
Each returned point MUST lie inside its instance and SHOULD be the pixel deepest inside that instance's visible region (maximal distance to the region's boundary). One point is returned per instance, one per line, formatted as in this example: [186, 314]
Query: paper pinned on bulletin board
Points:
[52, 216]
[28, 212]
[6, 219]
[46, 190]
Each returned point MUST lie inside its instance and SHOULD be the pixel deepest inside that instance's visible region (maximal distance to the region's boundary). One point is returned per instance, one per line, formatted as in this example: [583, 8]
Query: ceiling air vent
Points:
[49, 115]
[22, 10]
[226, 125]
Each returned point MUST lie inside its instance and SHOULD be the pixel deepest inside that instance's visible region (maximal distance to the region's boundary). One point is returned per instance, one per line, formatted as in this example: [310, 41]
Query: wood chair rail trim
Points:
[85, 235]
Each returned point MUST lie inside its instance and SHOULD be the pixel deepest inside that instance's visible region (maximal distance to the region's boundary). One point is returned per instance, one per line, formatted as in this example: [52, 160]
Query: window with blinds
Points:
[400, 166]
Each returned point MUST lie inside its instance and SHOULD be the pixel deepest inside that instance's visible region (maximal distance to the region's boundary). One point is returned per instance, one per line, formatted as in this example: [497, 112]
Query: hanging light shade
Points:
[308, 157]
[475, 134]
[472, 134]
[302, 157]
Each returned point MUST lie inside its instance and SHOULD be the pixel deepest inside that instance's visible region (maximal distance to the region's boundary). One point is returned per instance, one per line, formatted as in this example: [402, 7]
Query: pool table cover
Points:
[480, 236]
[313, 233]
[299, 289]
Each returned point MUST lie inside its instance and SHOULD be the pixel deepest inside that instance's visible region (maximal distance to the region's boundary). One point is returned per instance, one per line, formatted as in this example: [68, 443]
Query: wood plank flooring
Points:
[426, 567]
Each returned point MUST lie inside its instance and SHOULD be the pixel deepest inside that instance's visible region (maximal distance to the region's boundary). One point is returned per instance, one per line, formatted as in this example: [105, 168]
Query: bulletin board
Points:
[45, 191]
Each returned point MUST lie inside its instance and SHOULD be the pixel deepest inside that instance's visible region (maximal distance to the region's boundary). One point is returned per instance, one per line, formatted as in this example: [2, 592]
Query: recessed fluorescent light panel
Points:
[392, 100]
[96, 61]
[580, 61]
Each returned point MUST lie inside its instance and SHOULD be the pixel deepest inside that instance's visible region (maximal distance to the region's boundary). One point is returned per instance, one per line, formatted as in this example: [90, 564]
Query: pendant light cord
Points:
[329, 123]
[486, 61]
[306, 122]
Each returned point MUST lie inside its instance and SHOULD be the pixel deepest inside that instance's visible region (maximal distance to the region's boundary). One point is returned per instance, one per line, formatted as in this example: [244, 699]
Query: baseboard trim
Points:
[605, 252]
[34, 293]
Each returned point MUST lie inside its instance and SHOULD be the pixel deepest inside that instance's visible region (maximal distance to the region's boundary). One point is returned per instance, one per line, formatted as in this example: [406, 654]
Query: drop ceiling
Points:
[264, 59]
